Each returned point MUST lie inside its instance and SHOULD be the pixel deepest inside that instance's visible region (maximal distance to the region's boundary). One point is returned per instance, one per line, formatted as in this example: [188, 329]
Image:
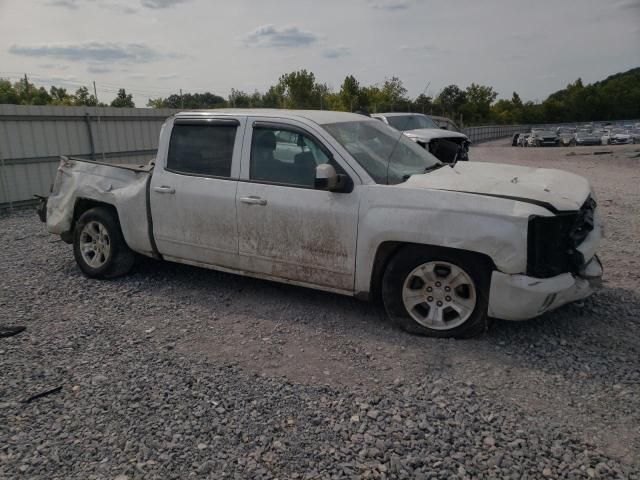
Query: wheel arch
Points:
[386, 251]
[82, 205]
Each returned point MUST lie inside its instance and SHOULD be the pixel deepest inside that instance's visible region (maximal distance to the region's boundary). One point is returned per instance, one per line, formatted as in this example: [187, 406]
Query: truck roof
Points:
[317, 116]
[397, 114]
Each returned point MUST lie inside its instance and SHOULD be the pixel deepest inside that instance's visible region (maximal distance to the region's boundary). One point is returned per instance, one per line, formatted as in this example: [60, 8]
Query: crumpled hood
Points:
[562, 190]
[428, 134]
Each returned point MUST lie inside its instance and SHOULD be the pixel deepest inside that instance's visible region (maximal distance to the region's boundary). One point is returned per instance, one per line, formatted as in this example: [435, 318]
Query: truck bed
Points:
[87, 182]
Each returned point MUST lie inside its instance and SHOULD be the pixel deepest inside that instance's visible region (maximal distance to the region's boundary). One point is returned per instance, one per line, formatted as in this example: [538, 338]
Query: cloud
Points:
[55, 79]
[118, 8]
[159, 4]
[336, 52]
[95, 52]
[523, 36]
[98, 69]
[70, 4]
[430, 50]
[391, 5]
[629, 4]
[272, 36]
[53, 66]
[168, 76]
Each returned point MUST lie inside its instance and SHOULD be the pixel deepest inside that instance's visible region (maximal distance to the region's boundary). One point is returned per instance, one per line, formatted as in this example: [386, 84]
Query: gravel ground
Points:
[178, 372]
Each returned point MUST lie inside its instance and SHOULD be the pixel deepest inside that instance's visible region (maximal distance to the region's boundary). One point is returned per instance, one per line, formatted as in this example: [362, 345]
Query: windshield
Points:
[410, 122]
[388, 156]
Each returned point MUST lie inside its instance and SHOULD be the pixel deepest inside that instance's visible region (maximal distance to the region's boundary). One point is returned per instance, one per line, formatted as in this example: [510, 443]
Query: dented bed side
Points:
[124, 187]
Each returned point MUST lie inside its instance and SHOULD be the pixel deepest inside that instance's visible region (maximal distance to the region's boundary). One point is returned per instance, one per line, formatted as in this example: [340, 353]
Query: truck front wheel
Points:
[436, 292]
[98, 245]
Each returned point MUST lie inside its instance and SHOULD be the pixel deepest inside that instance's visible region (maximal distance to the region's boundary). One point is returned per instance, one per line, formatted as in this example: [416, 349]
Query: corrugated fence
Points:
[33, 137]
[492, 132]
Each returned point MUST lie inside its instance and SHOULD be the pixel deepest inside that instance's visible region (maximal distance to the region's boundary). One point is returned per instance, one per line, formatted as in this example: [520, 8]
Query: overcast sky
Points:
[155, 47]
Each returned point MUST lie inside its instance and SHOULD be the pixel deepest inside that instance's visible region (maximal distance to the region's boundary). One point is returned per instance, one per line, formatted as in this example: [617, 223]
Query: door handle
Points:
[253, 200]
[164, 189]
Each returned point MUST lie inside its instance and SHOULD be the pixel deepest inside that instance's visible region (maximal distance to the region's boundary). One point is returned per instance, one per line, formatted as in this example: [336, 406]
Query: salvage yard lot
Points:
[175, 370]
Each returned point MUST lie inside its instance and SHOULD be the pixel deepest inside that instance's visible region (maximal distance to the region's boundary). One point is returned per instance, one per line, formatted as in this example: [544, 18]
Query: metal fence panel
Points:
[33, 137]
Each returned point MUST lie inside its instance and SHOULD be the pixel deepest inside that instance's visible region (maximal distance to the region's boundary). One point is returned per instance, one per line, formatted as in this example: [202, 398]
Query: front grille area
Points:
[449, 150]
[552, 241]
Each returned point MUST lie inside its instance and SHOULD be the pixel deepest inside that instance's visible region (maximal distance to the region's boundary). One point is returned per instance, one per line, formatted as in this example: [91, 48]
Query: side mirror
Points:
[328, 179]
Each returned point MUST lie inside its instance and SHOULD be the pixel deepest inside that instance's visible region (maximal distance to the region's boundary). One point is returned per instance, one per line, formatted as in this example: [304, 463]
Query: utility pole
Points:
[95, 94]
[181, 99]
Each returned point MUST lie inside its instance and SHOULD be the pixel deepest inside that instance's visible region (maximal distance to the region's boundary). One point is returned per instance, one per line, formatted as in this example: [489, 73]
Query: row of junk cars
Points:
[571, 136]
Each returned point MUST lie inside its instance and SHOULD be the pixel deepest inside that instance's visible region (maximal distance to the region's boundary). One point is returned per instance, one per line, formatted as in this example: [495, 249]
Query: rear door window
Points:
[202, 149]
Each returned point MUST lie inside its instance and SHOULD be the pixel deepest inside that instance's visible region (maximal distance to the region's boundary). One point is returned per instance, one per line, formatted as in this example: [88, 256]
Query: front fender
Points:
[494, 227]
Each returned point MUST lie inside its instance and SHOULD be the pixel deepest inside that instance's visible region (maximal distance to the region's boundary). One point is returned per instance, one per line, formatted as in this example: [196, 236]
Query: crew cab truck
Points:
[343, 203]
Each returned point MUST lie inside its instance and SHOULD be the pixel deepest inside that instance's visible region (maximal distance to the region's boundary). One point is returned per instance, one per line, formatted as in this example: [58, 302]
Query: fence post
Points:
[87, 119]
[5, 183]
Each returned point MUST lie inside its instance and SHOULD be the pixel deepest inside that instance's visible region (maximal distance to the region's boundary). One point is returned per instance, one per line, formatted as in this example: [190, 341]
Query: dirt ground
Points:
[267, 328]
[573, 370]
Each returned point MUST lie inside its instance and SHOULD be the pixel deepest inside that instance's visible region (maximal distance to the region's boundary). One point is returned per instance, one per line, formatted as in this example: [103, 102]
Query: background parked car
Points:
[585, 137]
[605, 139]
[543, 138]
[567, 136]
[445, 123]
[523, 139]
[446, 145]
[621, 138]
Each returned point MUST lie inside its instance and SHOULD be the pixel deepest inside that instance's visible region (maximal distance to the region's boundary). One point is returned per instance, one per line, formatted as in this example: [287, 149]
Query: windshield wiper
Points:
[426, 170]
[433, 167]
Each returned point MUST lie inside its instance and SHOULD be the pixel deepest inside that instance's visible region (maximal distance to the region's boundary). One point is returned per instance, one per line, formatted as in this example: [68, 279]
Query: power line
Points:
[148, 91]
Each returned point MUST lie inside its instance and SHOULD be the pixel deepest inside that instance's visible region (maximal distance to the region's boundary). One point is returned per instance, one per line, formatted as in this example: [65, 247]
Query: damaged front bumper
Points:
[520, 297]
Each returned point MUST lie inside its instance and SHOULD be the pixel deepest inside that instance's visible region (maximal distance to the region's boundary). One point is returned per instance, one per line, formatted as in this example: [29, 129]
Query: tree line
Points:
[616, 97]
[23, 92]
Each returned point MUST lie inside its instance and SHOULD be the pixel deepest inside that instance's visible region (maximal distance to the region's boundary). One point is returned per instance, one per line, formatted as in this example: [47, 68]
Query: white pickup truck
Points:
[343, 203]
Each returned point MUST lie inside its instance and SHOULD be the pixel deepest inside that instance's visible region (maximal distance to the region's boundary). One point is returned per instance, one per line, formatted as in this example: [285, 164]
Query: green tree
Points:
[274, 97]
[239, 99]
[515, 99]
[477, 108]
[156, 103]
[83, 97]
[451, 99]
[423, 103]
[123, 100]
[350, 94]
[60, 96]
[299, 89]
[393, 93]
[8, 94]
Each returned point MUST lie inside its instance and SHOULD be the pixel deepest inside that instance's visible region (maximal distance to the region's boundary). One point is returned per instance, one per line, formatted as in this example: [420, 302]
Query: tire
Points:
[106, 255]
[459, 311]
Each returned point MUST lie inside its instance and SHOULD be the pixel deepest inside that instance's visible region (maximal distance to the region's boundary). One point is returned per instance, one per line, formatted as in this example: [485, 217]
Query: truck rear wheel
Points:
[436, 292]
[98, 245]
